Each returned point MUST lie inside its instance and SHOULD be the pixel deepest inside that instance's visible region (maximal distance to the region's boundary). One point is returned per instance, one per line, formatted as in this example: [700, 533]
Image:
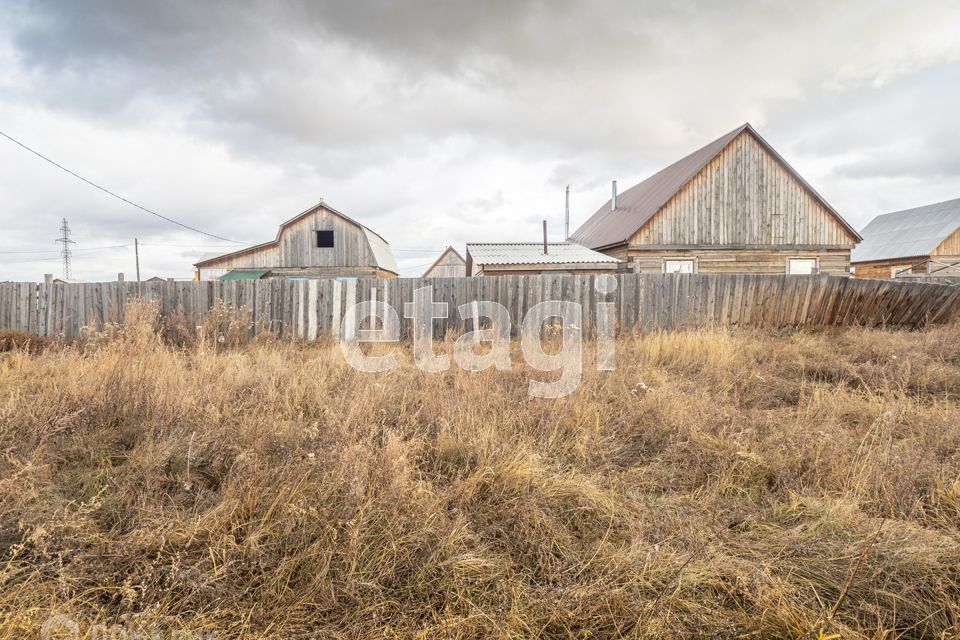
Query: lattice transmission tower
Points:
[65, 252]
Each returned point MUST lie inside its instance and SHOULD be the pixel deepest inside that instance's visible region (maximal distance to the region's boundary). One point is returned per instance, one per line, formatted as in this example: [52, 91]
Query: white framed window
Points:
[802, 266]
[679, 265]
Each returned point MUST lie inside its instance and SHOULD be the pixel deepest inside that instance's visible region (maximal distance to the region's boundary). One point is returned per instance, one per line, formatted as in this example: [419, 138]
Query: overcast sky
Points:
[440, 123]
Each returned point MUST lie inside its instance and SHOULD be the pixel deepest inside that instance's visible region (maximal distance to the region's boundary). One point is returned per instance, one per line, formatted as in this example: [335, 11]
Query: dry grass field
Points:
[716, 485]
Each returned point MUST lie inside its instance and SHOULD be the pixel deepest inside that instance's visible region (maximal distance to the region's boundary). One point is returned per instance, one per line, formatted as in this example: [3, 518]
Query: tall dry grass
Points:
[717, 484]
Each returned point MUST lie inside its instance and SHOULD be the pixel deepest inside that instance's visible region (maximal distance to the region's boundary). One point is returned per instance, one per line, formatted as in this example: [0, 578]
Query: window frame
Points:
[814, 272]
[693, 260]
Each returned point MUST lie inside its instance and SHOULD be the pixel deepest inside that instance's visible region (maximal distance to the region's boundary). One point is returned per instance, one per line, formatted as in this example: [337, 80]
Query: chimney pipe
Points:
[613, 200]
[544, 237]
[566, 219]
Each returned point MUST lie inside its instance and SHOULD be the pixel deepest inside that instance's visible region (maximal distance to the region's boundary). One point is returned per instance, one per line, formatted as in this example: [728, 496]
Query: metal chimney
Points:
[613, 200]
[566, 219]
[544, 237]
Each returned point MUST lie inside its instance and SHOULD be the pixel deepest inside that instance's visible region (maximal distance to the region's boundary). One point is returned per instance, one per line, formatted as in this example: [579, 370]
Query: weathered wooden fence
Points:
[935, 278]
[310, 308]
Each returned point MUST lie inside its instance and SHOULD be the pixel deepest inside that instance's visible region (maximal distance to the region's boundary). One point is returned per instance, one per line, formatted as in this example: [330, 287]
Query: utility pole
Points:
[65, 253]
[566, 218]
[544, 237]
[136, 255]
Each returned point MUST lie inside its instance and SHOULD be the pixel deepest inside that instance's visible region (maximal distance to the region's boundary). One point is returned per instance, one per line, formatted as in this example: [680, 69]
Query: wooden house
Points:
[321, 242]
[450, 264]
[533, 258]
[924, 240]
[734, 206]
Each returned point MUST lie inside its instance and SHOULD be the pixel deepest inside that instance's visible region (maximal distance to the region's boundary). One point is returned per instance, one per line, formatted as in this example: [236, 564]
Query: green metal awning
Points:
[244, 274]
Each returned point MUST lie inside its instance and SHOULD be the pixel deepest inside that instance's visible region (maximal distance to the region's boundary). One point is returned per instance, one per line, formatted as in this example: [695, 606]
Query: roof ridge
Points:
[607, 227]
[659, 194]
[922, 206]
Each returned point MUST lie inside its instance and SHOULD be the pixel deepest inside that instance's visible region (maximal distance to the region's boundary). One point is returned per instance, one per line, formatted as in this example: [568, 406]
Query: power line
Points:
[193, 246]
[115, 195]
[124, 246]
[37, 251]
[416, 266]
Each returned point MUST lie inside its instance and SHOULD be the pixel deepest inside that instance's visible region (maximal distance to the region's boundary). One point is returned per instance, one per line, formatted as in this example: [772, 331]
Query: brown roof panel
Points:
[636, 205]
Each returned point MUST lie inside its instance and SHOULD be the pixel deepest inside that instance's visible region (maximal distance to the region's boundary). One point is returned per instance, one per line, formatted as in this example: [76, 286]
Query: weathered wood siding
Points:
[765, 260]
[743, 197]
[297, 248]
[935, 264]
[450, 265]
[950, 246]
[310, 308]
[885, 268]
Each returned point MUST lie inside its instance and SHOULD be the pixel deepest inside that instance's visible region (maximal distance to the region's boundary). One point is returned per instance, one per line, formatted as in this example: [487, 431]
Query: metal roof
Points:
[638, 204]
[381, 251]
[908, 234]
[532, 253]
[244, 274]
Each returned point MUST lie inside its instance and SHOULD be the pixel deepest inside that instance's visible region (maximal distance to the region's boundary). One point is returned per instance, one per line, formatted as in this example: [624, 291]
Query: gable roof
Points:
[638, 204]
[910, 233]
[532, 253]
[378, 245]
[441, 256]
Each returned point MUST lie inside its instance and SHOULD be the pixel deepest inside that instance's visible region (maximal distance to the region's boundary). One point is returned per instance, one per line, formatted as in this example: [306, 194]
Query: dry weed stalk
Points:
[716, 484]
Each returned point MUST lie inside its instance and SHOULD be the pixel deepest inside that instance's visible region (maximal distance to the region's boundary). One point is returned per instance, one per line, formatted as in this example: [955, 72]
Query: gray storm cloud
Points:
[439, 123]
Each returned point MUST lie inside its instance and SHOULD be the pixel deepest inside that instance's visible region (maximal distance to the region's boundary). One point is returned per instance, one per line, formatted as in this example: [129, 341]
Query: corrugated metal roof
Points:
[532, 253]
[909, 233]
[244, 274]
[638, 204]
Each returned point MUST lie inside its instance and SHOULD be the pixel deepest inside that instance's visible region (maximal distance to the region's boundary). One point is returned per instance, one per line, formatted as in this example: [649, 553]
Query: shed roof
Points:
[244, 274]
[638, 204]
[532, 253]
[909, 233]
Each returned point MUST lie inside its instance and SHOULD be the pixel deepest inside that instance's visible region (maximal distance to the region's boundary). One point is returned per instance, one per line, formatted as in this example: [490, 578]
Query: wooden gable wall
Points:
[744, 196]
[297, 247]
[950, 246]
[450, 265]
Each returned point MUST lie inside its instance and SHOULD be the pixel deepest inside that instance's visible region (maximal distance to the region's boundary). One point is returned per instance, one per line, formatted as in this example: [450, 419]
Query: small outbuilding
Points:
[450, 264]
[923, 240]
[321, 242]
[534, 258]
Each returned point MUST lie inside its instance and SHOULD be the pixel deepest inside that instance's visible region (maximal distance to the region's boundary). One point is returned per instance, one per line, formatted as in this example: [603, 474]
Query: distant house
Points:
[529, 258]
[321, 242]
[921, 240]
[734, 206]
[450, 264]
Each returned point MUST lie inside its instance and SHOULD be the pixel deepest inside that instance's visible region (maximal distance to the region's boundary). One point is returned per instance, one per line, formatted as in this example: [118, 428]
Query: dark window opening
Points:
[324, 239]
